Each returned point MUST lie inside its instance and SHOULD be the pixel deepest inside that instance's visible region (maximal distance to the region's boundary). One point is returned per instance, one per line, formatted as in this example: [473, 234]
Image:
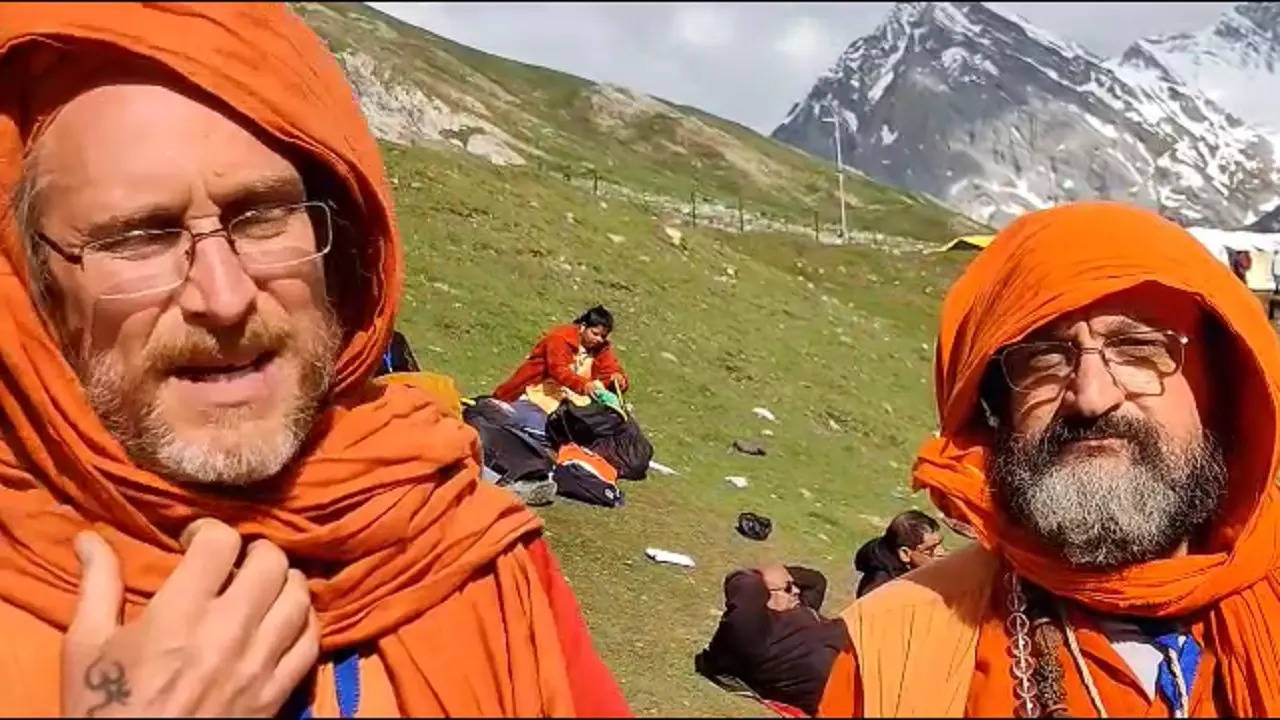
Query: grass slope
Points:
[836, 341]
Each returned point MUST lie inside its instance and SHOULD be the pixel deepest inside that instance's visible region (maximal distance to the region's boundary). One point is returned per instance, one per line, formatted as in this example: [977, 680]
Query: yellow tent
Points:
[965, 242]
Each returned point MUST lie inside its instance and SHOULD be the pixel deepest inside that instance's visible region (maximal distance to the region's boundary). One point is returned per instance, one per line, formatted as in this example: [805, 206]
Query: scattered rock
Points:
[807, 495]
[666, 556]
[766, 432]
[604, 205]
[875, 521]
[660, 468]
[764, 413]
[668, 356]
[731, 271]
[746, 447]
[674, 236]
[736, 480]
[616, 238]
[569, 217]
[834, 426]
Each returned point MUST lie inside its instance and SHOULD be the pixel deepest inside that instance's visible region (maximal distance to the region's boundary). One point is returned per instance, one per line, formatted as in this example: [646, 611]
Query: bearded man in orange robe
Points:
[1108, 397]
[206, 507]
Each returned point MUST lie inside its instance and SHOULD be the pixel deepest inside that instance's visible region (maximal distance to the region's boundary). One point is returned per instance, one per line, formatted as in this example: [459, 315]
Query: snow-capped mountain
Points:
[994, 116]
[1269, 223]
[1236, 63]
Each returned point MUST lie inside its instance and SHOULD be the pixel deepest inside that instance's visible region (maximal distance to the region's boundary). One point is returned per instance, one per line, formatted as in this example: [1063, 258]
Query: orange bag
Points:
[583, 475]
[570, 453]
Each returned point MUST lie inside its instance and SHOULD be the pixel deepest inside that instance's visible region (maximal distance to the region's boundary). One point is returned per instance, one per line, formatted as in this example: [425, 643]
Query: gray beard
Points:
[1106, 511]
[133, 416]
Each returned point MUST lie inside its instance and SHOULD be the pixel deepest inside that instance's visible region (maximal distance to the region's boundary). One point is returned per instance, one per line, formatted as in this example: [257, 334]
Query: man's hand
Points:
[197, 649]
[618, 381]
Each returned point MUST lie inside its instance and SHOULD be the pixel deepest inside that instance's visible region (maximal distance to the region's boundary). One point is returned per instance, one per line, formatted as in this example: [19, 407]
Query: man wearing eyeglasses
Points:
[912, 540]
[1108, 402]
[772, 635]
[206, 506]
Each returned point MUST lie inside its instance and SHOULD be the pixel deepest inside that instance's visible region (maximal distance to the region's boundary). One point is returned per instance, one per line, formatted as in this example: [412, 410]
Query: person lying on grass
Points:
[772, 635]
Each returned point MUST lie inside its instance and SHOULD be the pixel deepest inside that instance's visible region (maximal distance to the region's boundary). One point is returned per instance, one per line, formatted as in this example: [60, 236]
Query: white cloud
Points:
[706, 26]
[803, 40]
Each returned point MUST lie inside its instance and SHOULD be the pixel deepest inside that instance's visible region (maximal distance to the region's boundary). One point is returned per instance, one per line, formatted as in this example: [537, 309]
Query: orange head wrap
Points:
[1049, 263]
[384, 512]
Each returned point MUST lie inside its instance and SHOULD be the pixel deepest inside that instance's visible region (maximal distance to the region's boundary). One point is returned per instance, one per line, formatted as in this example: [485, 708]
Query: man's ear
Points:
[904, 554]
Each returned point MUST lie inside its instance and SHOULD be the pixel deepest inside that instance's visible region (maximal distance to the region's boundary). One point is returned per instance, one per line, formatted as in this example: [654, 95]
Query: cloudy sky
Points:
[744, 61]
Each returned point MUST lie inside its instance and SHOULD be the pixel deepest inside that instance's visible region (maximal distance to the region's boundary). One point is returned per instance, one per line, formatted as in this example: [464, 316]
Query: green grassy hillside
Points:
[834, 340]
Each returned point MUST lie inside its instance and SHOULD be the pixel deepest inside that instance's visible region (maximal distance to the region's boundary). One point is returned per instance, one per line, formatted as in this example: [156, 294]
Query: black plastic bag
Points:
[753, 526]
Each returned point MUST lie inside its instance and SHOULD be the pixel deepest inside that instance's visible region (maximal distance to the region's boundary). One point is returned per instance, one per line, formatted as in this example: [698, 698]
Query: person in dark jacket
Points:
[911, 540]
[772, 636]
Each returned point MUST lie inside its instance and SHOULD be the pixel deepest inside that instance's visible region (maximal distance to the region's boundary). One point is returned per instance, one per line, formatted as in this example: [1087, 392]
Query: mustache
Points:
[1070, 429]
[197, 346]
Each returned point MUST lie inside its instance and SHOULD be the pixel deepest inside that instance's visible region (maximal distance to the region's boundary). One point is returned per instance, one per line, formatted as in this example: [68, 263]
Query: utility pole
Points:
[741, 226]
[835, 121]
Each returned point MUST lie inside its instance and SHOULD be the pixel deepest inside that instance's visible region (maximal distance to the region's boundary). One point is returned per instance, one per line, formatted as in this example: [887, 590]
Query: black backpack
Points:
[577, 482]
[508, 451]
[605, 432]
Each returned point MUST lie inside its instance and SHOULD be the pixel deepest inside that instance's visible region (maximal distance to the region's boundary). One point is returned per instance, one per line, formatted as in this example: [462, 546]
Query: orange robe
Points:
[928, 643]
[552, 360]
[991, 692]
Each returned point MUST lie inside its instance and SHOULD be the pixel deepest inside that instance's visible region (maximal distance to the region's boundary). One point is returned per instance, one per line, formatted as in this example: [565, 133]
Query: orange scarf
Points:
[1049, 263]
[404, 548]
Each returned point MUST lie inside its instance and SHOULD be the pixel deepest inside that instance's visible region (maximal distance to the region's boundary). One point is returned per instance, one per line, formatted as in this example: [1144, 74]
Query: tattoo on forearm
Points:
[107, 677]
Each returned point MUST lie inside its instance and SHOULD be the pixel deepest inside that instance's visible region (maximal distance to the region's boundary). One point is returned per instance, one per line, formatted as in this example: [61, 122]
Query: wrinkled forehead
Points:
[1145, 307]
[122, 148]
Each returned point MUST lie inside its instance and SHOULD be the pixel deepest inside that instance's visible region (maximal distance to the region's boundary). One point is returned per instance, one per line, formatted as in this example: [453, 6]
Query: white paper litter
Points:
[666, 556]
[659, 467]
[764, 413]
[736, 480]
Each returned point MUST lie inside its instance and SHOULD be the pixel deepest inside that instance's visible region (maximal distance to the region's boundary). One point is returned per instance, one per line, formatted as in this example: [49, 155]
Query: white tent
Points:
[1262, 249]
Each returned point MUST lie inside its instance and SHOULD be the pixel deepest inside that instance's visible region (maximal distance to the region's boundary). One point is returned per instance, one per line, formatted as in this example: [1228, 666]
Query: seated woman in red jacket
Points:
[573, 362]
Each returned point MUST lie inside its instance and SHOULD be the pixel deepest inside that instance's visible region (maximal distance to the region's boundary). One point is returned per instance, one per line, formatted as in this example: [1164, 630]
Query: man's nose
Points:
[218, 292]
[1092, 391]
